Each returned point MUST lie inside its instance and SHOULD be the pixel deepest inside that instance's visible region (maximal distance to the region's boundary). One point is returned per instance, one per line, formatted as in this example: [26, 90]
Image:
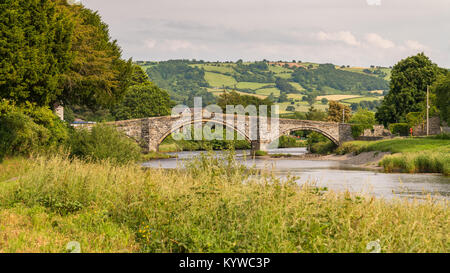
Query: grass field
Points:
[300, 107]
[268, 91]
[223, 68]
[252, 85]
[203, 208]
[218, 80]
[413, 155]
[337, 97]
[402, 145]
[219, 91]
[296, 96]
[359, 99]
[297, 86]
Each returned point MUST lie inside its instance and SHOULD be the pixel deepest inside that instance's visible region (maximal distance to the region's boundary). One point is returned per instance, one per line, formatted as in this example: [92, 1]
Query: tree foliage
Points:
[181, 81]
[335, 111]
[315, 114]
[52, 52]
[142, 101]
[234, 98]
[326, 75]
[285, 86]
[441, 91]
[35, 50]
[98, 76]
[409, 80]
[28, 128]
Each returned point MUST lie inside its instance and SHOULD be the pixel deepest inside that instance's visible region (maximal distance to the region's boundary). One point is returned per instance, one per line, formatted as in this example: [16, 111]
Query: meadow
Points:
[218, 75]
[214, 205]
[413, 155]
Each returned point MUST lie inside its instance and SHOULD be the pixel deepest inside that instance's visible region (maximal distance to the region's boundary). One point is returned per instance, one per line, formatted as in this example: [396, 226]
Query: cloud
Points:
[173, 45]
[378, 41]
[354, 32]
[415, 45]
[373, 2]
[342, 36]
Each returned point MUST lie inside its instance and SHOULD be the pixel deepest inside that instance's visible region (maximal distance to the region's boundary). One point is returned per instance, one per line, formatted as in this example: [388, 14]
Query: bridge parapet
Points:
[150, 132]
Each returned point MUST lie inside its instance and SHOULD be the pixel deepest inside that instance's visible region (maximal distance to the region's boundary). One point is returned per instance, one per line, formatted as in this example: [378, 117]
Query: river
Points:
[335, 175]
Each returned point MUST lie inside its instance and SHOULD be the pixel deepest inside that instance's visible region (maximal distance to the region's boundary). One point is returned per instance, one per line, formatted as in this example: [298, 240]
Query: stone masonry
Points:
[150, 132]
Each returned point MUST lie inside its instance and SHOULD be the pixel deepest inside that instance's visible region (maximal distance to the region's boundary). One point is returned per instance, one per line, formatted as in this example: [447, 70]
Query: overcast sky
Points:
[349, 32]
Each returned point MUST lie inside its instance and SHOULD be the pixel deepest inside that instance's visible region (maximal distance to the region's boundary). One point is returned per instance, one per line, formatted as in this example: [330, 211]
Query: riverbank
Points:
[368, 160]
[413, 155]
[203, 208]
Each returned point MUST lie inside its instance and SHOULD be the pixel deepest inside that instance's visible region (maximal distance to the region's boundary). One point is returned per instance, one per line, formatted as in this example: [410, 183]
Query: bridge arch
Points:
[307, 128]
[203, 121]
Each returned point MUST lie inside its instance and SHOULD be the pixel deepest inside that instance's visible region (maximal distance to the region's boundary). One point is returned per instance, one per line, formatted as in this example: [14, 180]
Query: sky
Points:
[342, 32]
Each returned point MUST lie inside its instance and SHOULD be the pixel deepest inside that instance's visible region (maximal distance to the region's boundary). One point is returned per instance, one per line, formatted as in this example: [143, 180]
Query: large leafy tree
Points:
[142, 101]
[53, 52]
[335, 111]
[441, 94]
[233, 98]
[409, 80]
[98, 76]
[35, 50]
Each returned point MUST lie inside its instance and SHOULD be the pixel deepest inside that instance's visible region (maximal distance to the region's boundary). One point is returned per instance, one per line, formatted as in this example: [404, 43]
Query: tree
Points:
[285, 86]
[409, 80]
[363, 117]
[290, 108]
[141, 101]
[234, 98]
[335, 111]
[283, 97]
[98, 76]
[139, 76]
[441, 92]
[53, 52]
[314, 114]
[35, 50]
[324, 101]
[310, 98]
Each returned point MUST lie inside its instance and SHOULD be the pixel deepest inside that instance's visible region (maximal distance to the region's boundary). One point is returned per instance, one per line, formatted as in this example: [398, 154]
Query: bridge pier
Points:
[260, 145]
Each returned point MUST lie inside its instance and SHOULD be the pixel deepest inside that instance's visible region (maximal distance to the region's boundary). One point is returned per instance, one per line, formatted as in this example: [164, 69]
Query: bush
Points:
[399, 128]
[357, 130]
[103, 142]
[322, 148]
[444, 136]
[260, 153]
[27, 129]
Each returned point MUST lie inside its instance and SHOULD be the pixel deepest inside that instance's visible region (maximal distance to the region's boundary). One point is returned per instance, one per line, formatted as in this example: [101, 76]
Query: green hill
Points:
[184, 79]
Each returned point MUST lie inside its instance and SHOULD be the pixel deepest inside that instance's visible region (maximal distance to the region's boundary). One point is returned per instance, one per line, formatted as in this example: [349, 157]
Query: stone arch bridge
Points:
[150, 132]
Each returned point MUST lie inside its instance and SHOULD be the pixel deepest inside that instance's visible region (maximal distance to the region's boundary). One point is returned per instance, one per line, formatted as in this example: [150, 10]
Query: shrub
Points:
[27, 129]
[357, 130]
[444, 136]
[399, 128]
[103, 142]
[260, 153]
[324, 147]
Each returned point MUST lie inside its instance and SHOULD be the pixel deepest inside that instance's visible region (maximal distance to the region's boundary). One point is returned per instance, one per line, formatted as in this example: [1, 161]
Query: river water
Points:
[335, 175]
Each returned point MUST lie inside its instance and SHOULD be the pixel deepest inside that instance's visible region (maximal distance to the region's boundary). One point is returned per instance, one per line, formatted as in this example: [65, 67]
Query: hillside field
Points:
[259, 79]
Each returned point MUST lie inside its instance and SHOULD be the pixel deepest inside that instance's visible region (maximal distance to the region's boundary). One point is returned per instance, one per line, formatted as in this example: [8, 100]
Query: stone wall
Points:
[377, 131]
[434, 128]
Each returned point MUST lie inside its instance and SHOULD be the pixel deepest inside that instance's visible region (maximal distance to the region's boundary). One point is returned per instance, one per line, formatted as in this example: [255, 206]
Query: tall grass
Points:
[214, 205]
[425, 162]
[414, 155]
